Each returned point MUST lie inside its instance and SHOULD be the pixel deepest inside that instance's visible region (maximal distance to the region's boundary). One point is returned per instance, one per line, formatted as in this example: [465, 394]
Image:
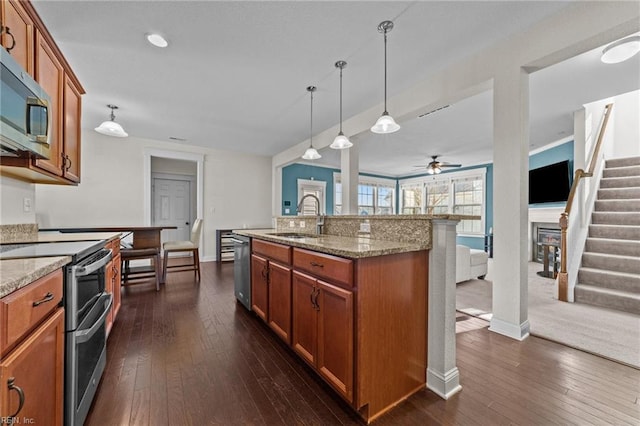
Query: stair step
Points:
[615, 232]
[620, 182]
[606, 298]
[622, 162]
[619, 193]
[612, 246]
[621, 171]
[616, 218]
[631, 205]
[612, 280]
[611, 262]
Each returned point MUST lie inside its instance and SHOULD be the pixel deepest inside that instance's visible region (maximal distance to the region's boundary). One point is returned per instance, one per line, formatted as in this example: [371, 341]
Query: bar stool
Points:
[134, 275]
[190, 246]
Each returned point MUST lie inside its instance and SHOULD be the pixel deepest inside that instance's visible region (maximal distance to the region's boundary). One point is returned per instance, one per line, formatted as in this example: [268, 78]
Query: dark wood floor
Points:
[189, 355]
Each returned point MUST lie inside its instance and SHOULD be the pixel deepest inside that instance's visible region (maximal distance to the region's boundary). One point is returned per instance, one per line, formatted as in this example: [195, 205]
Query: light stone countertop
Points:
[351, 247]
[54, 236]
[17, 273]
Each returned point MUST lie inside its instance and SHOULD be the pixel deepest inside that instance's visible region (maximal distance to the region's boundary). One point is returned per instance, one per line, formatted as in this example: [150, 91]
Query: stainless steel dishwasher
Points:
[242, 269]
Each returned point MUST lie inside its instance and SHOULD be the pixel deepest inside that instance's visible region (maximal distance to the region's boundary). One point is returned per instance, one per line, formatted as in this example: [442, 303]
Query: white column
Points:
[350, 166]
[442, 374]
[510, 202]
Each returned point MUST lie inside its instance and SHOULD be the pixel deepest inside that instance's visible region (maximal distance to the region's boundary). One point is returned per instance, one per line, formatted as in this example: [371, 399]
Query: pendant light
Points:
[386, 123]
[341, 141]
[110, 127]
[311, 153]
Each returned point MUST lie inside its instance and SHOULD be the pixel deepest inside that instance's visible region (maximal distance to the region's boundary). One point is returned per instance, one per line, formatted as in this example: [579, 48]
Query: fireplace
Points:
[544, 235]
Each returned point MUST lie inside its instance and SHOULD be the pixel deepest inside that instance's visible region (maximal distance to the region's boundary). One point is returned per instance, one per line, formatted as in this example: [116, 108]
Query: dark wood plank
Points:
[190, 354]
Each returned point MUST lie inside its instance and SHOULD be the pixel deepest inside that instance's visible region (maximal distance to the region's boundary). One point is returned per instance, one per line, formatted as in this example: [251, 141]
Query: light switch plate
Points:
[292, 224]
[365, 227]
[302, 224]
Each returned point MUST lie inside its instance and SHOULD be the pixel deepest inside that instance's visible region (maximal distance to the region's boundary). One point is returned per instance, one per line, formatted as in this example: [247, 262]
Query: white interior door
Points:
[171, 207]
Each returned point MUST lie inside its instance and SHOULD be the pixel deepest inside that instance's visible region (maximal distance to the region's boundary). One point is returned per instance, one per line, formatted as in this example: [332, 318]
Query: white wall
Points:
[12, 195]
[237, 188]
[627, 125]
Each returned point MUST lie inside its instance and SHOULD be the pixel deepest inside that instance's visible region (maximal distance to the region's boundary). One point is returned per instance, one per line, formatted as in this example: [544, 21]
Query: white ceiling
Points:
[235, 73]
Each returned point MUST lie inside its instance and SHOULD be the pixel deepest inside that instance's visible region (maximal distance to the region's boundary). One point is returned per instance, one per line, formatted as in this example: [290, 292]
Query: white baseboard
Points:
[445, 385]
[515, 331]
[208, 259]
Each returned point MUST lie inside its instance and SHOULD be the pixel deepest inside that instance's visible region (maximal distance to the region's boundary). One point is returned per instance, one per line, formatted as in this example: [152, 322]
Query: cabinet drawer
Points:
[24, 309]
[274, 251]
[333, 268]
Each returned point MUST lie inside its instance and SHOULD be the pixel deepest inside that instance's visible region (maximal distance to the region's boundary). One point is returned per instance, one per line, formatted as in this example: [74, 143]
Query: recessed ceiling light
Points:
[157, 40]
[621, 50]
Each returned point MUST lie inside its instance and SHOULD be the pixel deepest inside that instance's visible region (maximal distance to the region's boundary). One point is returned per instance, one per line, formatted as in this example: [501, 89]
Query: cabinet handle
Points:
[47, 298]
[315, 299]
[319, 265]
[265, 273]
[64, 161]
[69, 160]
[12, 386]
[311, 298]
[13, 39]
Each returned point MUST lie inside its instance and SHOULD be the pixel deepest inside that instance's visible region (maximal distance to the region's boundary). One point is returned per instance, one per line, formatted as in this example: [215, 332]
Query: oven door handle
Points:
[83, 271]
[85, 335]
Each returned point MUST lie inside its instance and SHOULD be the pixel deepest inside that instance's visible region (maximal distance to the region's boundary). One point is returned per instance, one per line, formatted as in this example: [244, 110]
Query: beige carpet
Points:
[611, 334]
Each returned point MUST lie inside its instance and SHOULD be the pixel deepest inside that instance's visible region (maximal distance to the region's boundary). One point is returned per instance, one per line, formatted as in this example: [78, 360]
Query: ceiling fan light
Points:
[111, 128]
[341, 142]
[385, 124]
[157, 40]
[621, 50]
[311, 154]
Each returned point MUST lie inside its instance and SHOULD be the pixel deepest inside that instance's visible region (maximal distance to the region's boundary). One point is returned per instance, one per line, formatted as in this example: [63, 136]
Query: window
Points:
[449, 193]
[313, 187]
[411, 199]
[375, 195]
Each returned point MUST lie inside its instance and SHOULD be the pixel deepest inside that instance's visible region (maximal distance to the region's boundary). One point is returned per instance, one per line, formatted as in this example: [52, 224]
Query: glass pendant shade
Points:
[341, 142]
[434, 170]
[311, 154]
[385, 124]
[110, 127]
[621, 50]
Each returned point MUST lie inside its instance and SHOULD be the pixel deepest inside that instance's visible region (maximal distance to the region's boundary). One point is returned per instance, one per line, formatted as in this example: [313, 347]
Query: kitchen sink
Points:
[295, 235]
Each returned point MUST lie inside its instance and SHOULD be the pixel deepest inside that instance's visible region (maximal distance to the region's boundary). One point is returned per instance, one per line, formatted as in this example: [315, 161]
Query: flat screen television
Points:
[550, 184]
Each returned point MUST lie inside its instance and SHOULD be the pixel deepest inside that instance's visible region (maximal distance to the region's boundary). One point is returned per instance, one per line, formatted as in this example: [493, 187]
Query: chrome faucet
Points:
[319, 217]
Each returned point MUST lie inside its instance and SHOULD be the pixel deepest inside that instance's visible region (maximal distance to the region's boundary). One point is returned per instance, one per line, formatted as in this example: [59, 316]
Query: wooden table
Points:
[143, 236]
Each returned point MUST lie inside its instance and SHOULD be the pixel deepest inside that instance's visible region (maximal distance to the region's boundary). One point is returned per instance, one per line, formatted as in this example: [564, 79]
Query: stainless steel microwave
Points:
[25, 113]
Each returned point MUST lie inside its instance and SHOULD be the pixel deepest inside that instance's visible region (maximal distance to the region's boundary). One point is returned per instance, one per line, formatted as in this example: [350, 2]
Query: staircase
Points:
[610, 271]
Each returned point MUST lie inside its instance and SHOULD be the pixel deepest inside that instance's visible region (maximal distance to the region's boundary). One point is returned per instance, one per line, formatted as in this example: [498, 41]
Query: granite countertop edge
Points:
[351, 247]
[18, 273]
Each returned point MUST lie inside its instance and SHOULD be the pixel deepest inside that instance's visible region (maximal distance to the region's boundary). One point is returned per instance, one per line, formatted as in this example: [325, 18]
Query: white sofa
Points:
[470, 263]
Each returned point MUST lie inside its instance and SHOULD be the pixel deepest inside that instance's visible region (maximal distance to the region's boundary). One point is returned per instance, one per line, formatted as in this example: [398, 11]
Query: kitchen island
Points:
[353, 308]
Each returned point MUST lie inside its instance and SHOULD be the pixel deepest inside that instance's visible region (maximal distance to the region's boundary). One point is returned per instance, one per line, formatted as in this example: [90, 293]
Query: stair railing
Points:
[563, 278]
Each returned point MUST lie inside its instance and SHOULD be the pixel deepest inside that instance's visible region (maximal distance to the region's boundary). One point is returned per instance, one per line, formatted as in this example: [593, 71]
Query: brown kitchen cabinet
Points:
[39, 55]
[271, 286]
[113, 282]
[360, 323]
[14, 16]
[323, 330]
[32, 362]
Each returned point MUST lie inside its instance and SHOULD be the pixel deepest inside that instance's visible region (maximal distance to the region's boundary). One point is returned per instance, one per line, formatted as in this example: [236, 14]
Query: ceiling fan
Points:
[435, 166]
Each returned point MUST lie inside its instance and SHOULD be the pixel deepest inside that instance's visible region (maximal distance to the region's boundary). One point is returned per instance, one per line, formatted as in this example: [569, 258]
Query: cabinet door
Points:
[335, 337]
[71, 131]
[21, 26]
[305, 317]
[280, 300]
[35, 367]
[108, 284]
[259, 286]
[50, 74]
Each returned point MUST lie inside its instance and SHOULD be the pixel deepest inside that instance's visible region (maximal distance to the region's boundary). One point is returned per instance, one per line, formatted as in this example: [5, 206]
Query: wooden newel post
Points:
[563, 279]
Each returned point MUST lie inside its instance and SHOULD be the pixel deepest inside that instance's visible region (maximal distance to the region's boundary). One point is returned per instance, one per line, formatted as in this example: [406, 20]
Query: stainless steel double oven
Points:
[87, 305]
